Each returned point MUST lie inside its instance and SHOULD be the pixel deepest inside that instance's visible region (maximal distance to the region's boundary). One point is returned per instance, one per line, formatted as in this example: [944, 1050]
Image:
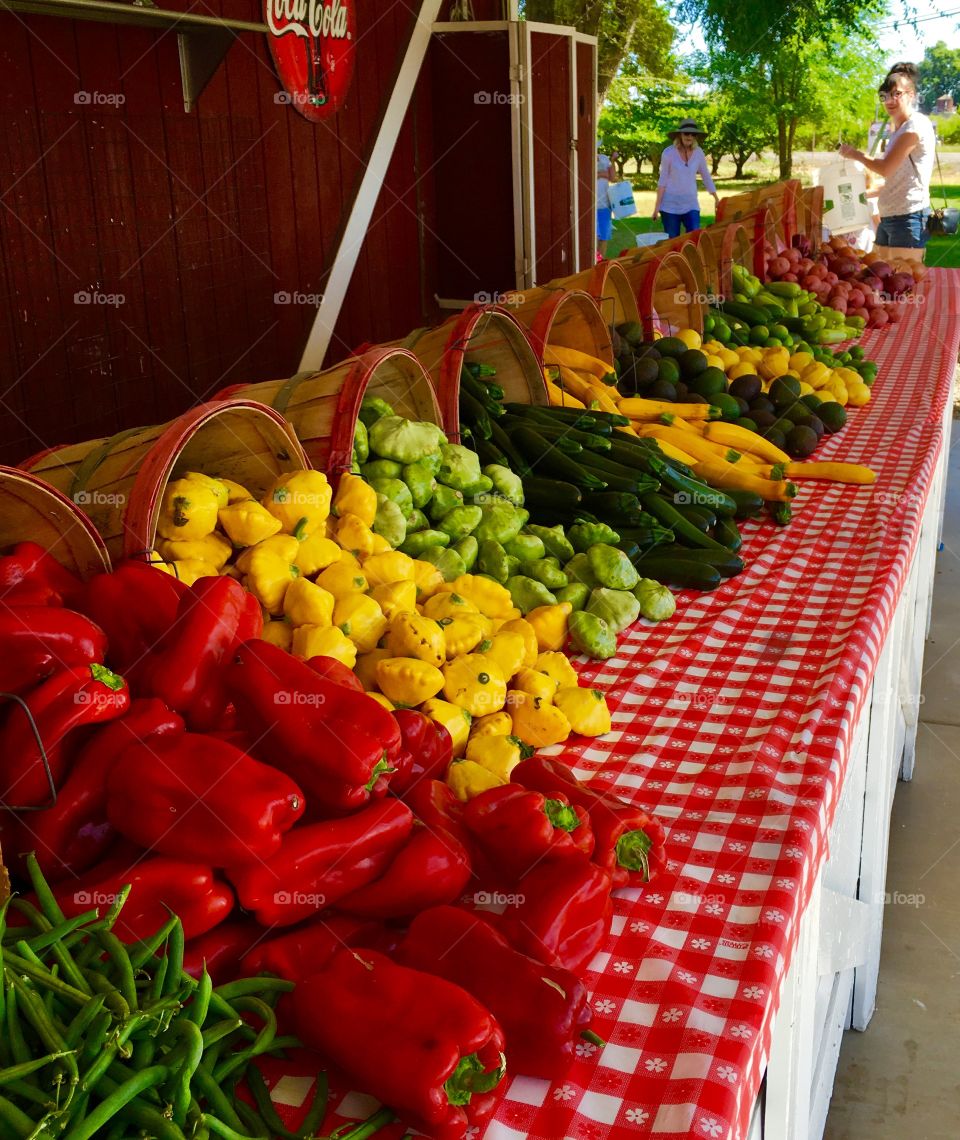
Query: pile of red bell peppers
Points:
[298, 827]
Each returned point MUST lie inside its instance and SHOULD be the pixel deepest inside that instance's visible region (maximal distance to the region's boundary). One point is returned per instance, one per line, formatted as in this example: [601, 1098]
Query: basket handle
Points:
[43, 756]
[93, 459]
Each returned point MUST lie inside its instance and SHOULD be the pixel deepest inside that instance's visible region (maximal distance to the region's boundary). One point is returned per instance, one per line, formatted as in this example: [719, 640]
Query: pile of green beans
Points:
[102, 1039]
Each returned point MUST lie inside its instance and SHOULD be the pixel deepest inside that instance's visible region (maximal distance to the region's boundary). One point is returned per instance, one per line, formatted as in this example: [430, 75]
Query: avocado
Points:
[747, 387]
[832, 416]
[784, 391]
[668, 369]
[709, 382]
[692, 362]
[801, 442]
[671, 346]
[631, 331]
[662, 390]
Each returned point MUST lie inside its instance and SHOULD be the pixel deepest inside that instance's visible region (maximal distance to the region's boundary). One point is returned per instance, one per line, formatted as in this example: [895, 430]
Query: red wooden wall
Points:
[553, 193]
[197, 221]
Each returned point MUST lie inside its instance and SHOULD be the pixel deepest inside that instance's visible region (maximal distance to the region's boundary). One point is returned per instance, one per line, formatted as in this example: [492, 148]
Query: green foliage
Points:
[778, 49]
[639, 111]
[948, 130]
[636, 31]
[939, 74]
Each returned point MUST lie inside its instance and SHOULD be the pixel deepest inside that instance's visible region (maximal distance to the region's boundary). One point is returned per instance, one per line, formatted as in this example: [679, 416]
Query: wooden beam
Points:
[361, 212]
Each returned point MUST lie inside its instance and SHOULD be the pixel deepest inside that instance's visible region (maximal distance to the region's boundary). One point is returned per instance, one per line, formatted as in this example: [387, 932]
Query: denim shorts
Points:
[604, 224]
[906, 231]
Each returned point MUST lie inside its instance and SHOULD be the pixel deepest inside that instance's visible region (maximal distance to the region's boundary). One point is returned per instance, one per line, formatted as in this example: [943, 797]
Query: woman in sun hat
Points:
[677, 189]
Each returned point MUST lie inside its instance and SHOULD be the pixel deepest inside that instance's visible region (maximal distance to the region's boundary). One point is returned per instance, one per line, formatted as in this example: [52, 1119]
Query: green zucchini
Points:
[673, 571]
[725, 530]
[682, 527]
[543, 458]
[553, 494]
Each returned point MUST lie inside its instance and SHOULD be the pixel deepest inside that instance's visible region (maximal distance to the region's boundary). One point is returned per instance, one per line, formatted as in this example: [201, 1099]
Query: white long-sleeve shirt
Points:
[679, 180]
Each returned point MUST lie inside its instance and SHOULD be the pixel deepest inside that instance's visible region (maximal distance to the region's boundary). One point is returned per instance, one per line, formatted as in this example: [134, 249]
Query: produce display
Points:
[174, 760]
[263, 785]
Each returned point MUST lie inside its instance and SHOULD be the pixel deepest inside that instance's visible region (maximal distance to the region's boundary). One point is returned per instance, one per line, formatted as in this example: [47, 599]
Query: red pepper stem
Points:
[365, 1128]
[593, 1038]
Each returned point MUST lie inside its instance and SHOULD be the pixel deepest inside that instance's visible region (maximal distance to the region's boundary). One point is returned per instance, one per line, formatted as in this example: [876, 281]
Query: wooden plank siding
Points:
[196, 220]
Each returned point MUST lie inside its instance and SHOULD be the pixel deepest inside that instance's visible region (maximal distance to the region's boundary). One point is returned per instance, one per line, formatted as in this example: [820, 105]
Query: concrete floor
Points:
[902, 1077]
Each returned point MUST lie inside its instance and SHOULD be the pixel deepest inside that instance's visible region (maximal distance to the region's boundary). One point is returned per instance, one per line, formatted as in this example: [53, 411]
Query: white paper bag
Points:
[845, 205]
[621, 200]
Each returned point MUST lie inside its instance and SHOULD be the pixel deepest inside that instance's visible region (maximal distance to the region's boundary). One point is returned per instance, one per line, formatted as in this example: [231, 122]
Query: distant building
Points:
[944, 106]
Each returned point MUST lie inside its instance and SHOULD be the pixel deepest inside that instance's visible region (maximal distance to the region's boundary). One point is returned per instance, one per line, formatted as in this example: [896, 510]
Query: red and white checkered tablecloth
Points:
[733, 722]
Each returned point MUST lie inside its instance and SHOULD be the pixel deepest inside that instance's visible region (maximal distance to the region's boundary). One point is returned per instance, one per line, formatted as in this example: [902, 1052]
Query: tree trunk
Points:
[783, 147]
[715, 163]
[741, 160]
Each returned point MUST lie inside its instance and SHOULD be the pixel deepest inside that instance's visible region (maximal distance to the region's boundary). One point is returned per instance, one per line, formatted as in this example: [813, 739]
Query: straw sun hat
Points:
[687, 127]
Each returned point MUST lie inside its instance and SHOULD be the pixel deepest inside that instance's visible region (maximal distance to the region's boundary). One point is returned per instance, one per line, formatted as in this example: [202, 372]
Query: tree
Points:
[639, 111]
[776, 46]
[737, 116]
[635, 29]
[939, 75]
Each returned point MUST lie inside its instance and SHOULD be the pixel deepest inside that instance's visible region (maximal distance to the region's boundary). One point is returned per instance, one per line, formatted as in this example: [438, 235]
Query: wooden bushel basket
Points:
[608, 284]
[31, 508]
[119, 482]
[482, 334]
[810, 215]
[323, 406]
[732, 245]
[667, 296]
[570, 318]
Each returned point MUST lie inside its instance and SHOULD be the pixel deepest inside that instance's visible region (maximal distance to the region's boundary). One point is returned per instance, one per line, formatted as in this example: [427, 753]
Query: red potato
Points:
[811, 281]
[870, 281]
[792, 254]
[804, 265]
[856, 298]
[779, 266]
[894, 312]
[831, 278]
[791, 277]
[878, 318]
[861, 312]
[840, 304]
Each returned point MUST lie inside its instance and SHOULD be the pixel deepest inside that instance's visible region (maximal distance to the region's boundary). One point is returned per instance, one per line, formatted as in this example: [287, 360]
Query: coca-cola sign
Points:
[312, 47]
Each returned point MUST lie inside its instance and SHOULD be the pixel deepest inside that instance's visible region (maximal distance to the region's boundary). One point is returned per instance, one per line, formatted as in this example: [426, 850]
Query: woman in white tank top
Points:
[906, 167]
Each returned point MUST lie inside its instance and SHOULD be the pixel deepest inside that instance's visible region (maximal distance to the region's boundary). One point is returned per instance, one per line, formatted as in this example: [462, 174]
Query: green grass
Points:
[942, 251]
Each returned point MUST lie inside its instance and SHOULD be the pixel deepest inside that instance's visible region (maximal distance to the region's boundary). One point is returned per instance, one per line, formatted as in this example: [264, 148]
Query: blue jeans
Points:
[672, 222]
[907, 231]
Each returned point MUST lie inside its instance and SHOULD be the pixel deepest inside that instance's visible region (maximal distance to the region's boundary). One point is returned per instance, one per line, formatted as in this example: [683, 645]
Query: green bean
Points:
[318, 1107]
[107, 1109]
[96, 1038]
[80, 1023]
[286, 1042]
[43, 977]
[18, 1045]
[182, 1063]
[113, 999]
[252, 1120]
[36, 1014]
[217, 1032]
[117, 953]
[368, 1127]
[15, 1072]
[16, 1118]
[141, 952]
[54, 938]
[261, 1095]
[114, 912]
[175, 947]
[208, 1087]
[149, 1119]
[253, 986]
[262, 1042]
[45, 897]
[200, 1005]
[159, 976]
[26, 1091]
[221, 1129]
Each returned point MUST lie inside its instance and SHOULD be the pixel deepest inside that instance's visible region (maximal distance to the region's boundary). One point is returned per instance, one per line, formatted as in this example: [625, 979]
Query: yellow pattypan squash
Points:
[324, 641]
[395, 597]
[585, 709]
[455, 720]
[301, 501]
[246, 522]
[475, 683]
[355, 496]
[361, 619]
[411, 635]
[306, 603]
[407, 681]
[536, 721]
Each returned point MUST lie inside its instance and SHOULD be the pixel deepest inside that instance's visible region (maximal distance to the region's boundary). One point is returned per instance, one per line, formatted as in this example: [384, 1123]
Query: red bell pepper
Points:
[301, 952]
[187, 669]
[338, 745]
[336, 672]
[629, 842]
[418, 1043]
[433, 802]
[518, 829]
[433, 868]
[85, 694]
[192, 797]
[222, 949]
[36, 641]
[29, 575]
[425, 751]
[319, 863]
[136, 606]
[159, 885]
[542, 1009]
[561, 914]
[73, 834]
